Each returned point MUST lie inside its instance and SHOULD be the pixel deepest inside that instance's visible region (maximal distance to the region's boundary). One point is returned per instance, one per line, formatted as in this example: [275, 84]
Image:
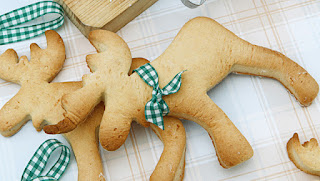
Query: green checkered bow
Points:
[9, 34]
[39, 160]
[156, 108]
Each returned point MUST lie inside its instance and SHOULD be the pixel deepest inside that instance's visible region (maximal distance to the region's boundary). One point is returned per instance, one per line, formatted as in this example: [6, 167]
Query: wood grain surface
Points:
[112, 15]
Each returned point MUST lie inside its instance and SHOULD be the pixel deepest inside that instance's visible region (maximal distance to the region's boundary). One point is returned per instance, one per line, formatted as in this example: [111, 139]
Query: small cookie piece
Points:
[209, 52]
[306, 157]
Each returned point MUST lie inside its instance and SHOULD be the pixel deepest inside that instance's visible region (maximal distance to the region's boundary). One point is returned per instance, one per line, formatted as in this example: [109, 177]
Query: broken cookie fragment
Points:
[306, 156]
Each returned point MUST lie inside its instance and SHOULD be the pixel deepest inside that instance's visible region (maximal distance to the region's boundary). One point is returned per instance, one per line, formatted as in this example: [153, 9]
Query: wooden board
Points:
[112, 15]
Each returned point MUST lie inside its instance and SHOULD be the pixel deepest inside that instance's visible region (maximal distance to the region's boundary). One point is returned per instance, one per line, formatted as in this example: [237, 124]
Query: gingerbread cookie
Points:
[307, 156]
[209, 52]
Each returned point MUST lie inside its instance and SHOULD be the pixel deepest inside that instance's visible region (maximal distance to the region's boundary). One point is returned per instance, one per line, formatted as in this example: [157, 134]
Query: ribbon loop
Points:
[156, 108]
[9, 34]
[40, 158]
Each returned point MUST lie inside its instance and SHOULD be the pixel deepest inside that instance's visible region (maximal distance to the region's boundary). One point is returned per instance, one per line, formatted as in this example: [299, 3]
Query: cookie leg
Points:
[85, 145]
[269, 63]
[231, 146]
[172, 160]
[13, 116]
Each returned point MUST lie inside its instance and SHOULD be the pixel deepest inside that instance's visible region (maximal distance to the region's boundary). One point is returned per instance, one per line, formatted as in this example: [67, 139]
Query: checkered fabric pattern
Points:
[39, 160]
[9, 34]
[156, 108]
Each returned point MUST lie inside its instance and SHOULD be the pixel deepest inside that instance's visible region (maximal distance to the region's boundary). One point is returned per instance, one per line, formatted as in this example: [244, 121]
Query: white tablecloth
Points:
[260, 107]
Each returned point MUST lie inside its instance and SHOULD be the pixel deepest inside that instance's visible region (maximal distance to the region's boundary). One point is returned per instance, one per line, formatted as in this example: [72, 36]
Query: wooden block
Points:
[110, 15]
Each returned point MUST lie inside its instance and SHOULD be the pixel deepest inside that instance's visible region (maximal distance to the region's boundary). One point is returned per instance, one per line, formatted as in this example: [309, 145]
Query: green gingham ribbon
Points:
[39, 160]
[9, 34]
[156, 108]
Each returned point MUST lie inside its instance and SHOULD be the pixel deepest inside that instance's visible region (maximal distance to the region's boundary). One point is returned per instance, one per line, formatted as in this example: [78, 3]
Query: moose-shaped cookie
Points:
[209, 52]
[40, 101]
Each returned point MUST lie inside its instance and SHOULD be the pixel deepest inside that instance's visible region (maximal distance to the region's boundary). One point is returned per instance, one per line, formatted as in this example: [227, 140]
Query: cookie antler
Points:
[44, 64]
[9, 65]
[109, 47]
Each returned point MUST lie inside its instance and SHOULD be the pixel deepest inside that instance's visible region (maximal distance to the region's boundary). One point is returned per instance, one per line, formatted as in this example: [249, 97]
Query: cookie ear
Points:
[115, 51]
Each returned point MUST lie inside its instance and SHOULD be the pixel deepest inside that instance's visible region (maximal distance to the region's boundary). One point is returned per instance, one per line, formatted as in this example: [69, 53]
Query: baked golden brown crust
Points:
[209, 52]
[307, 156]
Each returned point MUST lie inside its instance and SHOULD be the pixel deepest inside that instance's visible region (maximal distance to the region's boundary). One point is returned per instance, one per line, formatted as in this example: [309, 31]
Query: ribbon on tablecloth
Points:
[40, 158]
[10, 34]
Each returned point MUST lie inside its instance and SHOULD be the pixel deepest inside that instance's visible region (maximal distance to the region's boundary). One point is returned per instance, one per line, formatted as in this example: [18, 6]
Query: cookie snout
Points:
[63, 126]
[113, 136]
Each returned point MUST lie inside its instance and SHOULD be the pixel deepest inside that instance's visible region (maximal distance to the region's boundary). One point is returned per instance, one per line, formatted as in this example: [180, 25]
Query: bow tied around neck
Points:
[156, 108]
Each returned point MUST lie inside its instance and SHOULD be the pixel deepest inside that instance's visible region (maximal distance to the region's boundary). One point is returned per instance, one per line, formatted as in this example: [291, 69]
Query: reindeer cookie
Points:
[209, 52]
[41, 101]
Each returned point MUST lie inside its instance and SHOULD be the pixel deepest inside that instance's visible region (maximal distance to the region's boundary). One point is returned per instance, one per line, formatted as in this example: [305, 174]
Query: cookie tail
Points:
[268, 63]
